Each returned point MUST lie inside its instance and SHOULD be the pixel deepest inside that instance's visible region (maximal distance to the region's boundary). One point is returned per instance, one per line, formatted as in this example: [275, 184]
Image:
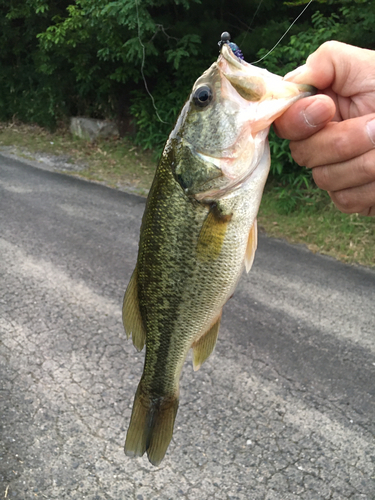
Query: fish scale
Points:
[198, 233]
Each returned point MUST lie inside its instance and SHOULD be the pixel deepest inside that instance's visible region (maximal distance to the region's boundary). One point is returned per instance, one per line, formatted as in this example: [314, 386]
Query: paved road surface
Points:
[283, 410]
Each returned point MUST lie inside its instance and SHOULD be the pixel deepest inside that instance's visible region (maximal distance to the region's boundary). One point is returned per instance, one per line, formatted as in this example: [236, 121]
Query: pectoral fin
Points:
[131, 315]
[212, 234]
[205, 345]
[252, 244]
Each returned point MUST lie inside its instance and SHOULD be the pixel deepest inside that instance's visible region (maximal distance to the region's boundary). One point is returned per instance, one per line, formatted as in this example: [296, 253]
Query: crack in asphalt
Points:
[249, 426]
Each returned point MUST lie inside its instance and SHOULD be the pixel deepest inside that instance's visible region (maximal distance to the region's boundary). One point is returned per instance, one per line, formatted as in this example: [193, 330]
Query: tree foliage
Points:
[293, 183]
[96, 57]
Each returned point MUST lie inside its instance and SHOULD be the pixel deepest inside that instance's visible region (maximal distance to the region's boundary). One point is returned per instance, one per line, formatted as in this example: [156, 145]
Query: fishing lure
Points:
[225, 39]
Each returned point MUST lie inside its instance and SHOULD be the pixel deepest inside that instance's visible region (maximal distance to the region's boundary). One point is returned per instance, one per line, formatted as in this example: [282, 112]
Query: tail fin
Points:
[151, 426]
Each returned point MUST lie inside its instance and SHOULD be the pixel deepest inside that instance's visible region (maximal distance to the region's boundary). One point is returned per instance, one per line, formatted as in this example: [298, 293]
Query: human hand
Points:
[333, 132]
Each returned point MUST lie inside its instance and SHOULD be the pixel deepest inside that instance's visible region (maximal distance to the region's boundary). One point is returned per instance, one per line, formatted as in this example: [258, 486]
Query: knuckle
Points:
[331, 46]
[326, 50]
[297, 152]
[343, 147]
[366, 167]
[344, 201]
[322, 177]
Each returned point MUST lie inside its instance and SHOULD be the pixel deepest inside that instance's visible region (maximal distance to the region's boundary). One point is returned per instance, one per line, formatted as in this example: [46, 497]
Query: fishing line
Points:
[255, 62]
[255, 13]
[143, 64]
[252, 20]
[277, 43]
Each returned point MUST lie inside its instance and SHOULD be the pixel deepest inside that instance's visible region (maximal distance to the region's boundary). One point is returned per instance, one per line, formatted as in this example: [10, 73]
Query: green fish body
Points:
[198, 233]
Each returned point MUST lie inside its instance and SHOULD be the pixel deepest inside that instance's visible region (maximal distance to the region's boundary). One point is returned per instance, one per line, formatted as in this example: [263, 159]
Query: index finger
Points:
[345, 68]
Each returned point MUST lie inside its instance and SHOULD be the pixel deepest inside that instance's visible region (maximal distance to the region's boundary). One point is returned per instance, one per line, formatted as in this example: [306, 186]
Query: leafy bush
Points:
[353, 24]
[155, 123]
[24, 93]
[90, 57]
[295, 186]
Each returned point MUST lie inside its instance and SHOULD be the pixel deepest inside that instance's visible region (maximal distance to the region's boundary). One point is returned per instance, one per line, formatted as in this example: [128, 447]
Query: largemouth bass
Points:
[198, 233]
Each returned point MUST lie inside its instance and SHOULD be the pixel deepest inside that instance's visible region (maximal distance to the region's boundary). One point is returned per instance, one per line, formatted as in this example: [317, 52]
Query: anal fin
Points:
[204, 346]
[131, 315]
[252, 244]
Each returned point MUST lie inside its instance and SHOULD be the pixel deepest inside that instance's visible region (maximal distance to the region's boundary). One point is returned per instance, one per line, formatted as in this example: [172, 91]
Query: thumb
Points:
[305, 117]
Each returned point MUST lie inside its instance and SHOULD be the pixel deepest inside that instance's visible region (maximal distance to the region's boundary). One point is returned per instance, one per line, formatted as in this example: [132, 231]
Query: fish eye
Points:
[202, 96]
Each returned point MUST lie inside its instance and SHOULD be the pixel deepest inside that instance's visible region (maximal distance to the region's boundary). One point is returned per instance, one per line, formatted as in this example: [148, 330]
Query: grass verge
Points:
[323, 229]
[115, 162]
[120, 164]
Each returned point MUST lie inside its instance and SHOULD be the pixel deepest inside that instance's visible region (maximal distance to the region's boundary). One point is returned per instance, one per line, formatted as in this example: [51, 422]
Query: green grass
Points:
[120, 164]
[322, 228]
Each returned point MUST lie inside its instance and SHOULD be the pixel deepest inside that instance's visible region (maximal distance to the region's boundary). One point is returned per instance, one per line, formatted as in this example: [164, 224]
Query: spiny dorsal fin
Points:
[252, 244]
[131, 315]
[203, 347]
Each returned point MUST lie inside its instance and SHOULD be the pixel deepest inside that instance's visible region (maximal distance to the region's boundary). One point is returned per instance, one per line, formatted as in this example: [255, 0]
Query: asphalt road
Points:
[283, 410]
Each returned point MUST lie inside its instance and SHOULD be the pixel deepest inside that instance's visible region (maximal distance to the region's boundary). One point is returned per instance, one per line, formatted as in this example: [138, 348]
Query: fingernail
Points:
[370, 127]
[316, 113]
[294, 73]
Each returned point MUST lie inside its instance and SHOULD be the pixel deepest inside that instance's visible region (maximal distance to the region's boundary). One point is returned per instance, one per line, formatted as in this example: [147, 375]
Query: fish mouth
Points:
[257, 84]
